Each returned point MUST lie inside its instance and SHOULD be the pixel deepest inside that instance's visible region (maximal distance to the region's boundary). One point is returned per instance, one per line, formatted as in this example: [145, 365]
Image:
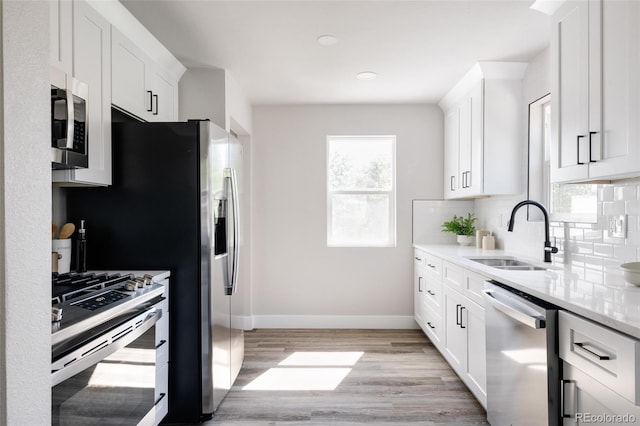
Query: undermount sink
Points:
[507, 263]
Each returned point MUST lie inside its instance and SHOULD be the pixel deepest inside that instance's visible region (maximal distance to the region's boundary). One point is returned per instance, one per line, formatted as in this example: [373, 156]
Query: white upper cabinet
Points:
[129, 74]
[595, 63]
[140, 86]
[89, 54]
[61, 28]
[451, 153]
[87, 43]
[483, 131]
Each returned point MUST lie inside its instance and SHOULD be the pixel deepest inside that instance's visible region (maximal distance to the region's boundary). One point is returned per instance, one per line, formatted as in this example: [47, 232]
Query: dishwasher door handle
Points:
[513, 312]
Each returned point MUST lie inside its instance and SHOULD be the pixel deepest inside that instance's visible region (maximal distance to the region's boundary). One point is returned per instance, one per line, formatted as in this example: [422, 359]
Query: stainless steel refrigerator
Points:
[174, 205]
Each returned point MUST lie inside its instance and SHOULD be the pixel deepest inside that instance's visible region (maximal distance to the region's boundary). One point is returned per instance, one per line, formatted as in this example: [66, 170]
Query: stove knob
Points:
[56, 314]
[130, 285]
[140, 282]
[148, 279]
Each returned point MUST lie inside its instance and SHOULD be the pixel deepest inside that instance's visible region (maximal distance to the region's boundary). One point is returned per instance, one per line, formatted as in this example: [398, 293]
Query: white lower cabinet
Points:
[599, 373]
[464, 341]
[448, 308]
[587, 401]
[418, 292]
[428, 295]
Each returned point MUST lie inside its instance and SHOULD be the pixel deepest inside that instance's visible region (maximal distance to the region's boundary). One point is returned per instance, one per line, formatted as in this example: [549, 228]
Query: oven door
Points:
[108, 379]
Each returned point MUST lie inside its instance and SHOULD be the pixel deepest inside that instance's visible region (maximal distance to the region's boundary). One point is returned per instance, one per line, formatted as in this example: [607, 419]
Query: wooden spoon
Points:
[66, 230]
[54, 230]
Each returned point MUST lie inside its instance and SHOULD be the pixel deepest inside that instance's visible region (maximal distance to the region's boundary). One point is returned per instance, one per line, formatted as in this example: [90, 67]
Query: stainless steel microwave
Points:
[69, 122]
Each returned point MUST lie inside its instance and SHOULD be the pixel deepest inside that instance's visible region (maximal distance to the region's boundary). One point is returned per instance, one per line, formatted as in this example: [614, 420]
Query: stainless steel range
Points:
[108, 349]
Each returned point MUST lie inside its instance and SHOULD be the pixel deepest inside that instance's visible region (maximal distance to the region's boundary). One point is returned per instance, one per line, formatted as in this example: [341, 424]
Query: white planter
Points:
[466, 240]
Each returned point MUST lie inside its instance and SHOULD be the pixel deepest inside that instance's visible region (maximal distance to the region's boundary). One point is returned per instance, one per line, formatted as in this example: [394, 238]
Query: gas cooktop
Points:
[82, 301]
[72, 285]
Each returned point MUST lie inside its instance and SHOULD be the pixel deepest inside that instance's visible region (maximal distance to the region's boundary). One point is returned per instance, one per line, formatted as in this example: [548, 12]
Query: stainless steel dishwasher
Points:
[523, 377]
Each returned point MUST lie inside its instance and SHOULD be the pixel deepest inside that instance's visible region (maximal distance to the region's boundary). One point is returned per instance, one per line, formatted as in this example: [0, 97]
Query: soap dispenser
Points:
[81, 249]
[488, 242]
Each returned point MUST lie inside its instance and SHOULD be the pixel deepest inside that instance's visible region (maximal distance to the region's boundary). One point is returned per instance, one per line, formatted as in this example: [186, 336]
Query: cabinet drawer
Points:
[474, 284]
[453, 275]
[433, 264]
[430, 262]
[433, 291]
[432, 325]
[419, 258]
[604, 354]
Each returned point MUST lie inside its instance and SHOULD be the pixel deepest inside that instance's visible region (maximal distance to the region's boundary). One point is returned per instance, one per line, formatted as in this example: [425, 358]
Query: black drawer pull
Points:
[591, 353]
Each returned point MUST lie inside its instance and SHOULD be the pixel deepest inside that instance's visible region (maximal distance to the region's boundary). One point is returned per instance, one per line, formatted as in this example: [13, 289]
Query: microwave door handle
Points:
[70, 118]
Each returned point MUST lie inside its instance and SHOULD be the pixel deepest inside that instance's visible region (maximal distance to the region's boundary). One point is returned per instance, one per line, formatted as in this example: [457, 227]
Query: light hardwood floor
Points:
[400, 379]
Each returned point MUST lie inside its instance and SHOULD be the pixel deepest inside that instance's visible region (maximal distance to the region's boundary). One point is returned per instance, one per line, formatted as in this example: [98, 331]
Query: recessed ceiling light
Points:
[367, 75]
[327, 40]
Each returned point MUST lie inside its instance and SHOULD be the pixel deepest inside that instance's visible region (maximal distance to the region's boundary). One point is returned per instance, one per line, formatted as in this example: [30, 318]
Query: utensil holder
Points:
[63, 248]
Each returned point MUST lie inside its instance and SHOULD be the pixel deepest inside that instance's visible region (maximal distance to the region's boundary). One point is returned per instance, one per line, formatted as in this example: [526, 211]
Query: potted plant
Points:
[463, 227]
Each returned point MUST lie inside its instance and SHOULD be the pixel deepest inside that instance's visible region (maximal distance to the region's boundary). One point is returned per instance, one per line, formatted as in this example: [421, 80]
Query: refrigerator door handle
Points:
[230, 174]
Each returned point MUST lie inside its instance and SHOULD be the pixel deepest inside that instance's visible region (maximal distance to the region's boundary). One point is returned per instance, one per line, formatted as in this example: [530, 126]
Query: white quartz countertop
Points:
[609, 300]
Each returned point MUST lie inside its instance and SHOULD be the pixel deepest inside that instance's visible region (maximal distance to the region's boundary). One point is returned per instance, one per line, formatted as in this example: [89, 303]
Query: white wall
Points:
[25, 213]
[214, 94]
[297, 280]
[202, 95]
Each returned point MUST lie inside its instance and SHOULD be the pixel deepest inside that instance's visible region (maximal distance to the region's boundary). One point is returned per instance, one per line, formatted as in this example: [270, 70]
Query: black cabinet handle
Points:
[430, 326]
[461, 308]
[431, 293]
[156, 98]
[578, 148]
[458, 310]
[419, 284]
[591, 160]
[590, 352]
[418, 259]
[162, 395]
[162, 342]
[452, 183]
[150, 101]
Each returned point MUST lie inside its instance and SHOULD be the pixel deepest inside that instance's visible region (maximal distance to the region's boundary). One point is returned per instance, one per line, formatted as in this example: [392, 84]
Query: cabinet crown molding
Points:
[131, 28]
[480, 71]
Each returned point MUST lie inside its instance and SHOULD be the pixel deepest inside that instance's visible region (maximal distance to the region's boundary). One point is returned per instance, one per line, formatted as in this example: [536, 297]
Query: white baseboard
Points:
[332, 321]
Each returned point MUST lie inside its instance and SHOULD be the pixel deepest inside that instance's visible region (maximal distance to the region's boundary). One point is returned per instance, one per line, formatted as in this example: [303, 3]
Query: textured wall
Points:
[25, 190]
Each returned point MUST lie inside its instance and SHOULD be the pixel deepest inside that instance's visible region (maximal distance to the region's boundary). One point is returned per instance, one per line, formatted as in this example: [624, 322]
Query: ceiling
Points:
[419, 49]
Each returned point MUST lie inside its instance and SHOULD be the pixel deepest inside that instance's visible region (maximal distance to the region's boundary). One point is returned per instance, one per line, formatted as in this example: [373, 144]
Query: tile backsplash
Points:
[587, 247]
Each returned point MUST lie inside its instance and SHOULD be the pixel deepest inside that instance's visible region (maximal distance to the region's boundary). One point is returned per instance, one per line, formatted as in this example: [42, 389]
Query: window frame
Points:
[392, 240]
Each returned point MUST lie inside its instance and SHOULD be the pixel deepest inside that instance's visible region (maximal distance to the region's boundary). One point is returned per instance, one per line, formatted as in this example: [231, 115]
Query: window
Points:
[572, 202]
[361, 204]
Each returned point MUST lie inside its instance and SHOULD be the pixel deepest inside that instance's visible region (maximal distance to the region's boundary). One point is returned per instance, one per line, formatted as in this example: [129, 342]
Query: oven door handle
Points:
[62, 374]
